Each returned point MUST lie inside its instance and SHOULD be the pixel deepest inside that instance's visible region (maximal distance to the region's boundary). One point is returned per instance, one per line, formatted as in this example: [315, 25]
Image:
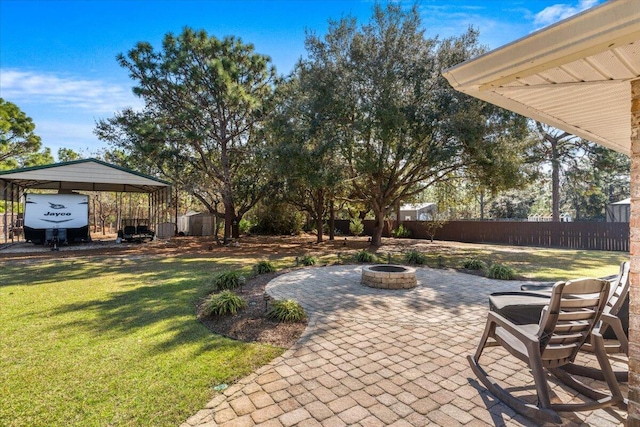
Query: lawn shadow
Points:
[156, 297]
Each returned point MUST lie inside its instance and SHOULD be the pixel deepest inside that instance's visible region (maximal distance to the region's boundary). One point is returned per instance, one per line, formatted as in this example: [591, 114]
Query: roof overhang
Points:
[83, 175]
[574, 75]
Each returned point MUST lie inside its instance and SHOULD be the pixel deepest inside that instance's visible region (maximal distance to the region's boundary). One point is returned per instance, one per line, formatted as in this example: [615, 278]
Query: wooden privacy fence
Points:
[604, 236]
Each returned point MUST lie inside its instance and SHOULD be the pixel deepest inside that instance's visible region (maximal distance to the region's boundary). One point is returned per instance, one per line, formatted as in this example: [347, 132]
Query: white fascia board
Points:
[610, 25]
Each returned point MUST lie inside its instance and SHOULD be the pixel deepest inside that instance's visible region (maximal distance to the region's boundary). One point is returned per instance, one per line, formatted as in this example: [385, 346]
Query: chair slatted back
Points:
[619, 290]
[573, 311]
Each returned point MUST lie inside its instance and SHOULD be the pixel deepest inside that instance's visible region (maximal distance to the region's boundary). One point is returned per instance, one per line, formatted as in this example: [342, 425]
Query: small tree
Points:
[356, 227]
[431, 227]
[511, 205]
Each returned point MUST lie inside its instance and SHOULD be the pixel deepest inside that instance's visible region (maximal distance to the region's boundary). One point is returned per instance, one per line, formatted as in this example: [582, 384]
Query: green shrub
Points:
[501, 271]
[474, 264]
[401, 232]
[263, 267]
[226, 302]
[244, 226]
[227, 280]
[308, 260]
[364, 256]
[356, 227]
[276, 218]
[286, 311]
[415, 257]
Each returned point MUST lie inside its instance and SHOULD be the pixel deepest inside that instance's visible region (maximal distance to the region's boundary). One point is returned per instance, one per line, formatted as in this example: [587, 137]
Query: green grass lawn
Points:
[101, 342]
[115, 341]
[540, 263]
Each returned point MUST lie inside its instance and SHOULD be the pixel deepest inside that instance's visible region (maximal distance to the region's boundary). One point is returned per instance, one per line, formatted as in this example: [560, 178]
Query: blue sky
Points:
[57, 58]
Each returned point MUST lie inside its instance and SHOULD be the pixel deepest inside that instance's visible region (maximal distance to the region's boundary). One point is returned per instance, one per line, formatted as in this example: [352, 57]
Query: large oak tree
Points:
[401, 126]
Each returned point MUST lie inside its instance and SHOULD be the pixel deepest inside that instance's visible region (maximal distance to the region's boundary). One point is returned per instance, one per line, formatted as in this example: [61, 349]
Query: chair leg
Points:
[489, 330]
[542, 388]
[527, 409]
[601, 399]
[605, 366]
[620, 336]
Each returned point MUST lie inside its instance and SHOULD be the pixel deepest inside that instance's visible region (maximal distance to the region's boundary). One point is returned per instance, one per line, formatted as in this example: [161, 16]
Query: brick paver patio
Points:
[374, 357]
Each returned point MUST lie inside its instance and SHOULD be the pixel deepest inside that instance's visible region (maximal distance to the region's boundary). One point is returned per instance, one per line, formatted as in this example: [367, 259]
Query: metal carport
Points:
[84, 175]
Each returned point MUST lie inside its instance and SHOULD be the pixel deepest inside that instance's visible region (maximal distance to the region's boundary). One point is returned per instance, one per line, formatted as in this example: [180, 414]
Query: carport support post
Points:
[634, 295]
[5, 231]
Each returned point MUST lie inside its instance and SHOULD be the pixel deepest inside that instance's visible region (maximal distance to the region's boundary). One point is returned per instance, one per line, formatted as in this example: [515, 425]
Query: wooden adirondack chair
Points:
[566, 323]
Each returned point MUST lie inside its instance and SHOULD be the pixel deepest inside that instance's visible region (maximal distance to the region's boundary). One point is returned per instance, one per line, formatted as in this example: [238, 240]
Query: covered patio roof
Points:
[83, 175]
[574, 75]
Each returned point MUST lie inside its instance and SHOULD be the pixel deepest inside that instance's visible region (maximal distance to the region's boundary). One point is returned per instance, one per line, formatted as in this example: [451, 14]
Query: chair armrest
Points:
[614, 323]
[511, 327]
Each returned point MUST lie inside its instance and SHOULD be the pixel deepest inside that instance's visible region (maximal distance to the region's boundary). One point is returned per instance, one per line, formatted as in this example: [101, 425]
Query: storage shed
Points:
[196, 224]
[619, 211]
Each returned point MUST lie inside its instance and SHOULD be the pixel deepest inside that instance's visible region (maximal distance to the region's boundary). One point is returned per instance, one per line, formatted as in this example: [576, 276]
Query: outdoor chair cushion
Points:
[522, 308]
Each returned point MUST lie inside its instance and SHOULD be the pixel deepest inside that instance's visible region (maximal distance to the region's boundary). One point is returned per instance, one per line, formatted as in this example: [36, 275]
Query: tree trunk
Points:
[555, 183]
[319, 226]
[227, 192]
[376, 238]
[482, 206]
[175, 227]
[319, 214]
[332, 221]
[228, 220]
[235, 227]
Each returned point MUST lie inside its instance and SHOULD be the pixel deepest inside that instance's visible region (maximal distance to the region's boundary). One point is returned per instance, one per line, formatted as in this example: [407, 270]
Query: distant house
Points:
[619, 211]
[418, 212]
[564, 217]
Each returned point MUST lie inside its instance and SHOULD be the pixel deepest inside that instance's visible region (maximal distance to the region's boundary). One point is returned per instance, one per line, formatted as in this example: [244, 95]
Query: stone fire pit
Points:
[387, 276]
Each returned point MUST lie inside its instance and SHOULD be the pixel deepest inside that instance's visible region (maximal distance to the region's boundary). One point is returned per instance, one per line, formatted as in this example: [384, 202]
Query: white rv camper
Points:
[56, 218]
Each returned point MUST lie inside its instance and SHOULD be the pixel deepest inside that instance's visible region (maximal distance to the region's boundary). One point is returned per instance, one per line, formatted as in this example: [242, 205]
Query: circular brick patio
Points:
[376, 357]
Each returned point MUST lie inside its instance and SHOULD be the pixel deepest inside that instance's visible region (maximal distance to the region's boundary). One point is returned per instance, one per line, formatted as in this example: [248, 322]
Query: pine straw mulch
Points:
[251, 324]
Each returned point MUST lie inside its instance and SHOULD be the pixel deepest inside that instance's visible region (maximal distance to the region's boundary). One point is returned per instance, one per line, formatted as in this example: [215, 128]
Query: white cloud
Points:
[67, 93]
[447, 20]
[557, 12]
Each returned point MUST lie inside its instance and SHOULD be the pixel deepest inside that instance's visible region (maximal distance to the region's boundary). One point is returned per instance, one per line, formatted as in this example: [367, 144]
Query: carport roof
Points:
[574, 75]
[84, 175]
